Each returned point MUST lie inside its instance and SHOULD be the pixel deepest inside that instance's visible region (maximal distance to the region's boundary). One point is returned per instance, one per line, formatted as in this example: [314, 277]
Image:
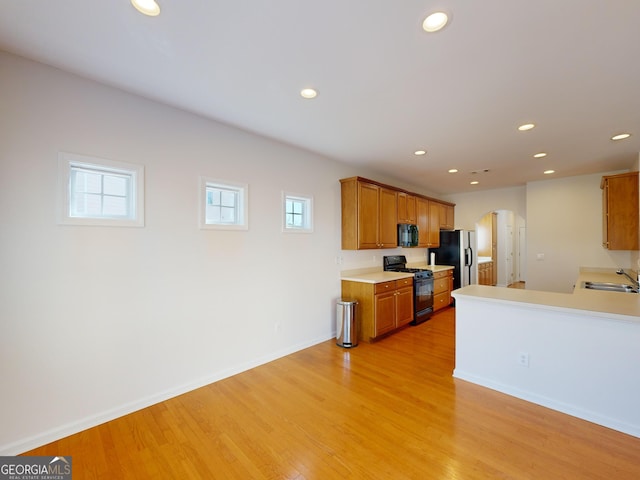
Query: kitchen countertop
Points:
[433, 268]
[611, 305]
[377, 277]
[380, 276]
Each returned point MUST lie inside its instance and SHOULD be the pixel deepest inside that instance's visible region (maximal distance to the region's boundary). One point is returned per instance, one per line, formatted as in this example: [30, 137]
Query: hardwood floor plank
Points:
[390, 409]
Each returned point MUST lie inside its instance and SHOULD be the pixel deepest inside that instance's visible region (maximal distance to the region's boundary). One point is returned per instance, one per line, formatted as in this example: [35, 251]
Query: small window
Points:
[95, 191]
[298, 215]
[223, 205]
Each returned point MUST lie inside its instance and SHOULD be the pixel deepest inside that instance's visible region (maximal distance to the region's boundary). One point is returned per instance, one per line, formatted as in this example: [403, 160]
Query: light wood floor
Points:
[389, 410]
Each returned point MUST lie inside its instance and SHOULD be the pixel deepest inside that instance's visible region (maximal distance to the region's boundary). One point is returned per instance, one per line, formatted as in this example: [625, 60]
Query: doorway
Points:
[502, 244]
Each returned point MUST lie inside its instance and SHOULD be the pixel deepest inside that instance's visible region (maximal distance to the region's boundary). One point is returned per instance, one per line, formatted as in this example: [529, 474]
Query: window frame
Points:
[242, 190]
[68, 161]
[307, 214]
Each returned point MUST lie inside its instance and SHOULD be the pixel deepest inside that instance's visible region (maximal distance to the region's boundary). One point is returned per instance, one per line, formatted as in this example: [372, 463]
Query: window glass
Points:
[225, 204]
[96, 191]
[297, 213]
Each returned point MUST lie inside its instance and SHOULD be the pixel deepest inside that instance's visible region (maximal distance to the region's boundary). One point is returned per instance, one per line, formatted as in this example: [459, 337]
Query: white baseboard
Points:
[574, 411]
[48, 436]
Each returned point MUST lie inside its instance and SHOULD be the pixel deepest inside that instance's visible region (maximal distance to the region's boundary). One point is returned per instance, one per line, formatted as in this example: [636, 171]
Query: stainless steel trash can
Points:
[347, 327]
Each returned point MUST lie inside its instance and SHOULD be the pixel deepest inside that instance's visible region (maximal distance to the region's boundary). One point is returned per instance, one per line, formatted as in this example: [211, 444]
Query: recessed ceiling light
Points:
[148, 7]
[526, 126]
[621, 136]
[475, 182]
[435, 22]
[548, 172]
[540, 155]
[453, 170]
[420, 152]
[308, 93]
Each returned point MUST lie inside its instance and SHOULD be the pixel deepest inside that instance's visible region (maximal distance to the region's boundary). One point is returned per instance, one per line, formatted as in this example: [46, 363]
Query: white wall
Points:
[95, 321]
[564, 223]
[471, 207]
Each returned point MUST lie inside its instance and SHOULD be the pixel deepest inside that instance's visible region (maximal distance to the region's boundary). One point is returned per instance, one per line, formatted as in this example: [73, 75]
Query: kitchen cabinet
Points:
[442, 286]
[369, 215]
[620, 211]
[371, 212]
[428, 217]
[434, 225]
[486, 275]
[447, 217]
[406, 208]
[382, 307]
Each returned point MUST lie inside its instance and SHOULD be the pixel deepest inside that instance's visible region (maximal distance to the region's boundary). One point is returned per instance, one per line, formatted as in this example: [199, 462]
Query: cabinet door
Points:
[434, 224]
[404, 306]
[446, 217]
[385, 312]
[422, 214]
[406, 208]
[620, 210]
[368, 215]
[388, 214]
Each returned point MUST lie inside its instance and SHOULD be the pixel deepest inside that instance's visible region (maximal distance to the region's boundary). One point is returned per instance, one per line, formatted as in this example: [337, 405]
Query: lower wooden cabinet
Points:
[442, 285]
[485, 274]
[382, 307]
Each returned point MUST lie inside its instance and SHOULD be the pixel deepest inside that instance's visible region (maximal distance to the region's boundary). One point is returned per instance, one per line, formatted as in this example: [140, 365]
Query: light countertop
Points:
[382, 276]
[433, 268]
[377, 277]
[612, 305]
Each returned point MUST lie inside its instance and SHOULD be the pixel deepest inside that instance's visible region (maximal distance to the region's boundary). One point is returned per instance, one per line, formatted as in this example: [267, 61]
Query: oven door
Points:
[423, 300]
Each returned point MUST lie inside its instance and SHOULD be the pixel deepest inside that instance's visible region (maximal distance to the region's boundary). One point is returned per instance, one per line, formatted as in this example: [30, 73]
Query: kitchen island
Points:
[578, 353]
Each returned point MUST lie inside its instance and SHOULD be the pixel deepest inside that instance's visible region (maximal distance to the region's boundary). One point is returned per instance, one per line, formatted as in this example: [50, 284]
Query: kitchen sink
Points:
[610, 287]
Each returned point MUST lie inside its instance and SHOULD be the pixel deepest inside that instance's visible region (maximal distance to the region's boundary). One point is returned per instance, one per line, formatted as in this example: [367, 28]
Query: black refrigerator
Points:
[458, 248]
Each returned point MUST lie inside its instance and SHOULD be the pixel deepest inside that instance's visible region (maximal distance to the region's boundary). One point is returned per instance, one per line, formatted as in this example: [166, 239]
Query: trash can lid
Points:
[347, 301]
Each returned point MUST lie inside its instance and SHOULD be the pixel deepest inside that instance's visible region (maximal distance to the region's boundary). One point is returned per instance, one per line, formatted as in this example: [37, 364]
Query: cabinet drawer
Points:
[441, 300]
[440, 285]
[385, 287]
[442, 274]
[405, 282]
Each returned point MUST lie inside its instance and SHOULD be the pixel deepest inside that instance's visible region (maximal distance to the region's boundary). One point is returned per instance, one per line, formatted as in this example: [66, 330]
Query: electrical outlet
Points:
[523, 359]
[339, 260]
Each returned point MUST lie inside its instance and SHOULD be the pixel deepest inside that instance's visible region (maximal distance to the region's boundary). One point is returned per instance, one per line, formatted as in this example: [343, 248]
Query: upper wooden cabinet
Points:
[369, 215]
[406, 208]
[620, 211]
[447, 217]
[371, 212]
[428, 213]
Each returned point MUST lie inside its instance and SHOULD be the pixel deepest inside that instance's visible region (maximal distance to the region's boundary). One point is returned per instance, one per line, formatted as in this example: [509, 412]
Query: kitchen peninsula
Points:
[573, 352]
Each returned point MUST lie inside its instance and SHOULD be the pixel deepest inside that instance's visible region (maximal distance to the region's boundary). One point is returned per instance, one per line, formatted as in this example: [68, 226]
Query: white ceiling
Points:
[386, 88]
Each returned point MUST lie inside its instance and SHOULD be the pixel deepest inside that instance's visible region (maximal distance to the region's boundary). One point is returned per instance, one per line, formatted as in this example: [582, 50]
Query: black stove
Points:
[422, 286]
[398, 263]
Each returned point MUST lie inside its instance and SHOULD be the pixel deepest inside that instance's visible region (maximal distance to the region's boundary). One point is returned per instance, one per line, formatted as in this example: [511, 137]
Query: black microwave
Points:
[407, 235]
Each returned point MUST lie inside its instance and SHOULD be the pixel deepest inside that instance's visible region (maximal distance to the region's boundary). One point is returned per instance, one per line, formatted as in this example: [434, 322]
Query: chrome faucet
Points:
[635, 282]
